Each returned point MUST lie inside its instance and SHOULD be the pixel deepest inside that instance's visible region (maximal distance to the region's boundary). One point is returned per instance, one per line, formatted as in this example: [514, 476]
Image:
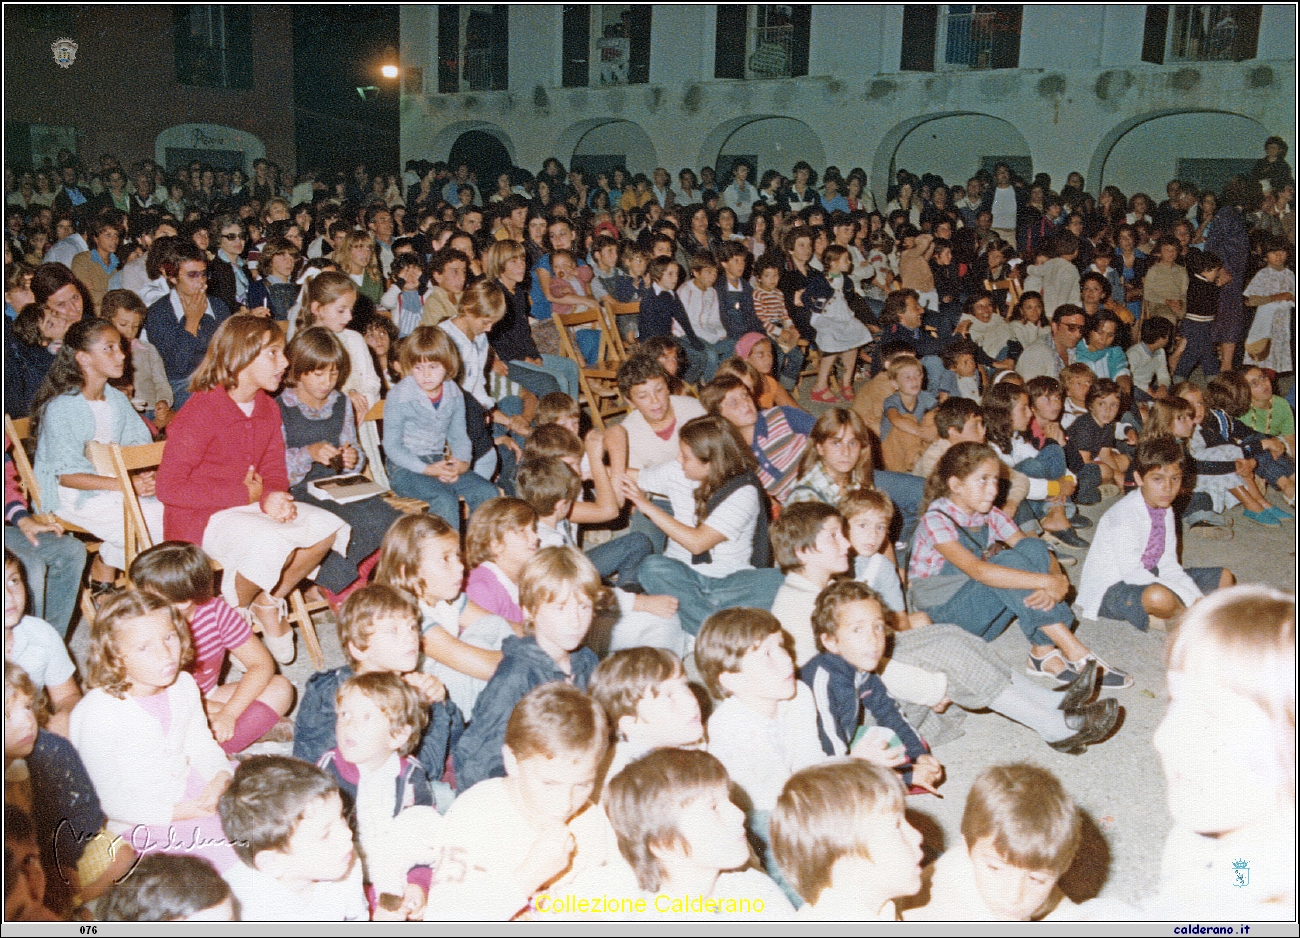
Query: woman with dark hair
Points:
[182, 323]
[228, 277]
[37, 334]
[698, 237]
[801, 193]
[1272, 167]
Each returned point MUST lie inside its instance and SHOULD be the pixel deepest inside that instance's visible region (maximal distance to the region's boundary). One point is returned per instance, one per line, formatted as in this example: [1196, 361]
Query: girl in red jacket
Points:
[224, 485]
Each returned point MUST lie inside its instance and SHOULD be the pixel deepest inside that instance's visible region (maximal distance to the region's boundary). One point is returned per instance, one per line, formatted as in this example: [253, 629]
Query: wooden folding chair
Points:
[119, 462]
[369, 437]
[19, 431]
[1010, 284]
[612, 309]
[599, 381]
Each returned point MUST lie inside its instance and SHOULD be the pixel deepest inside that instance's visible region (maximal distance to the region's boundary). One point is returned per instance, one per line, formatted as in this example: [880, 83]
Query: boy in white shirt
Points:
[1132, 572]
[284, 819]
[700, 298]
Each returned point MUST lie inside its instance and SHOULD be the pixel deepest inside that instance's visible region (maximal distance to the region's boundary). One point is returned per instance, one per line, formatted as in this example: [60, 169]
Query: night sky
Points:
[337, 49]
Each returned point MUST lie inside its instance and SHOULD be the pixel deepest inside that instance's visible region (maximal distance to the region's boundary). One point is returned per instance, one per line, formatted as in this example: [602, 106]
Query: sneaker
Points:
[1111, 677]
[1281, 514]
[1065, 538]
[1266, 518]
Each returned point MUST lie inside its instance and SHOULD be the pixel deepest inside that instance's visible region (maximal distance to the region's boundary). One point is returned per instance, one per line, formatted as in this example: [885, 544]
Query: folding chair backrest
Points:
[612, 309]
[19, 431]
[368, 436]
[117, 461]
[597, 381]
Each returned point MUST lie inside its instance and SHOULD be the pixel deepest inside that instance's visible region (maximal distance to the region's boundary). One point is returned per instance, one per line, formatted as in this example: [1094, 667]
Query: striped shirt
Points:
[935, 529]
[216, 629]
[770, 308]
[780, 438]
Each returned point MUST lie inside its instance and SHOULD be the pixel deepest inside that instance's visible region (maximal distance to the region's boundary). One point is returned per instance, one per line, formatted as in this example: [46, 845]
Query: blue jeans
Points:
[700, 596]
[1200, 350]
[555, 373]
[180, 391]
[442, 498]
[701, 363]
[788, 366]
[906, 491]
[986, 611]
[640, 524]
[621, 557]
[53, 570]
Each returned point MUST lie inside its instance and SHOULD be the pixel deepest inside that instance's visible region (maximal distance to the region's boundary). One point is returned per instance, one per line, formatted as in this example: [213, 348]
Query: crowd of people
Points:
[855, 447]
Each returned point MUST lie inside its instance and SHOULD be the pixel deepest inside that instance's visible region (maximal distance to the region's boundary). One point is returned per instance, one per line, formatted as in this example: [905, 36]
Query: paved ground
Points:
[1118, 783]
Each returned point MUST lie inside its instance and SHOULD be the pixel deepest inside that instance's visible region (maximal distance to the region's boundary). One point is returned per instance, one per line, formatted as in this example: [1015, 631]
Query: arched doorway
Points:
[600, 144]
[765, 142]
[953, 146]
[486, 156]
[1202, 147]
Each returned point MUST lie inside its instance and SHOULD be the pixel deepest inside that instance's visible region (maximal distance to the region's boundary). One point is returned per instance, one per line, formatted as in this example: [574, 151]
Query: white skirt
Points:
[838, 330]
[247, 541]
[1272, 321]
[101, 514]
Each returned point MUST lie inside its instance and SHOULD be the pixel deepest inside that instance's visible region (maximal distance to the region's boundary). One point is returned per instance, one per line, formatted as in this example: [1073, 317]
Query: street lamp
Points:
[389, 69]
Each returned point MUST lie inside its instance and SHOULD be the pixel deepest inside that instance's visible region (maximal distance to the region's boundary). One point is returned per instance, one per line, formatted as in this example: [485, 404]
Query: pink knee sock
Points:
[252, 725]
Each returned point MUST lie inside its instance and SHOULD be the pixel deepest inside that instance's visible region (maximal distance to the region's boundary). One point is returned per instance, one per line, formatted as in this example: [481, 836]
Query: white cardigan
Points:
[138, 771]
[1116, 555]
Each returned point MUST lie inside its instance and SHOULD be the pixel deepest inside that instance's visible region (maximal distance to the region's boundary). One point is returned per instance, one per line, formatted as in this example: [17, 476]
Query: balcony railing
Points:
[969, 43]
[476, 71]
[771, 56]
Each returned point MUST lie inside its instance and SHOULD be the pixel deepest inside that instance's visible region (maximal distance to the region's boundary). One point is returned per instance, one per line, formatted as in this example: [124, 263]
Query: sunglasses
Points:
[232, 237]
[1072, 326]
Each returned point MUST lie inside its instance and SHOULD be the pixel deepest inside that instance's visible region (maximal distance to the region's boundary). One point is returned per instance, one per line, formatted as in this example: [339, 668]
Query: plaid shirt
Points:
[935, 529]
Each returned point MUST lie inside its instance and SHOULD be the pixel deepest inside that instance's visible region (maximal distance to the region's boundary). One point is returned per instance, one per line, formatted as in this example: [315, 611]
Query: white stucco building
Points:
[1128, 94]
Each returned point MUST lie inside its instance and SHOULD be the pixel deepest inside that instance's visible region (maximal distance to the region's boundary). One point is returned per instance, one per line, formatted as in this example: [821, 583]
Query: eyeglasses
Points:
[236, 236]
[1071, 326]
[196, 275]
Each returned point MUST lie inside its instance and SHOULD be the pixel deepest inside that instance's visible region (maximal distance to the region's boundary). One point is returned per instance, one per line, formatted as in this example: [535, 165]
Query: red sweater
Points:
[210, 445]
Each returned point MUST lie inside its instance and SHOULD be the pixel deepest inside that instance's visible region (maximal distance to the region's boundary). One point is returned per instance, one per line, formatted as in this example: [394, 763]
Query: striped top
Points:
[216, 629]
[780, 438]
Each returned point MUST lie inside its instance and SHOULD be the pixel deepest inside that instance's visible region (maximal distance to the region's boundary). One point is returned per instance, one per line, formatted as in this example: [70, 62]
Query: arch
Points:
[485, 154]
[445, 139]
[982, 135]
[1199, 133]
[593, 143]
[771, 140]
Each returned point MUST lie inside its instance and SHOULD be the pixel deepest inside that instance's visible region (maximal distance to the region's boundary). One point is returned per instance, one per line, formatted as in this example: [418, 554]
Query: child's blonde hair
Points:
[556, 718]
[862, 500]
[817, 819]
[556, 406]
[724, 640]
[1161, 415]
[1243, 638]
[106, 668]
[645, 802]
[399, 552]
[1030, 816]
[898, 364]
[429, 344]
[554, 573]
[489, 524]
[363, 607]
[322, 290]
[621, 681]
[396, 699]
[18, 683]
[483, 300]
[1077, 370]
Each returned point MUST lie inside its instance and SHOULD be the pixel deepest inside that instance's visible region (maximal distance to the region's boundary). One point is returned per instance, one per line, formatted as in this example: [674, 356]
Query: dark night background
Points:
[337, 49]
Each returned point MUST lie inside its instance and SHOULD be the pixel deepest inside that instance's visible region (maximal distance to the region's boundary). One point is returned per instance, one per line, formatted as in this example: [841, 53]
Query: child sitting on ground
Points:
[961, 376]
[904, 430]
[240, 712]
[501, 538]
[1223, 471]
[380, 722]
[35, 646]
[285, 820]
[1077, 380]
[1147, 359]
[558, 591]
[842, 841]
[1020, 832]
[534, 829]
[1092, 443]
[956, 420]
[379, 629]
[868, 514]
[1227, 399]
[809, 546]
[461, 643]
[682, 840]
[757, 350]
[869, 401]
[1133, 573]
[649, 702]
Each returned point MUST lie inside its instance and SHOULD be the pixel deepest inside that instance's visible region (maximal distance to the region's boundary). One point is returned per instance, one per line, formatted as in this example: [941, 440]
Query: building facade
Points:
[1128, 94]
[137, 83]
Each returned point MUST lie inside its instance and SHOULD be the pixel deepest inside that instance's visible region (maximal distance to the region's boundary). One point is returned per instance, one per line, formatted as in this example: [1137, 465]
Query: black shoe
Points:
[1079, 691]
[1066, 538]
[1092, 723]
[1081, 521]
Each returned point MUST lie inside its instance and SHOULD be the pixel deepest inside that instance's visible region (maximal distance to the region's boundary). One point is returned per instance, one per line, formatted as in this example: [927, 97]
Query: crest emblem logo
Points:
[1240, 873]
[65, 52]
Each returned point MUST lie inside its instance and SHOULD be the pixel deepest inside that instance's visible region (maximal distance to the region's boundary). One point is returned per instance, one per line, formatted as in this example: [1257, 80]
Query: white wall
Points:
[779, 143]
[1145, 158]
[954, 146]
[535, 36]
[618, 137]
[836, 39]
[677, 52]
[1066, 36]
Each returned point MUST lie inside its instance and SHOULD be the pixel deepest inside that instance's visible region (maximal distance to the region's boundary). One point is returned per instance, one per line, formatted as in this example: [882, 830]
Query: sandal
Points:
[100, 590]
[1036, 667]
[1111, 677]
[825, 396]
